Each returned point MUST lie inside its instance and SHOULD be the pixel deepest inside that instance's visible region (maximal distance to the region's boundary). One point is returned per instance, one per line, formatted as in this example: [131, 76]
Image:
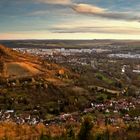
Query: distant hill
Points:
[69, 43]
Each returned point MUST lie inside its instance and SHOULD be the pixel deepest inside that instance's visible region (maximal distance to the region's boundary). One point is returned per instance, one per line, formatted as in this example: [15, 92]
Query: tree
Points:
[70, 133]
[86, 127]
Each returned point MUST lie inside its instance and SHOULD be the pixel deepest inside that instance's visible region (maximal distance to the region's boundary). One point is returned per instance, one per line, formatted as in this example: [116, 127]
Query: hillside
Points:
[17, 65]
[14, 64]
[28, 83]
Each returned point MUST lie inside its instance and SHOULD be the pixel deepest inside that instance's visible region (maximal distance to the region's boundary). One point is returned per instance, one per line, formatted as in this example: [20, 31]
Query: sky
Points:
[69, 19]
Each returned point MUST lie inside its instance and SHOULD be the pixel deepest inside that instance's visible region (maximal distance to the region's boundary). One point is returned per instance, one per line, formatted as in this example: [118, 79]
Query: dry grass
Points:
[20, 69]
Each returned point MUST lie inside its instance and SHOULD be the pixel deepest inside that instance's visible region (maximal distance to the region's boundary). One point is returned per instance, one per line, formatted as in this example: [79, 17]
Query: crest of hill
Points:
[14, 64]
[5, 52]
[8, 54]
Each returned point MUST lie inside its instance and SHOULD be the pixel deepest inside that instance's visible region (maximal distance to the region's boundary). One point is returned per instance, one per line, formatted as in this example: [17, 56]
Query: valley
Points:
[56, 86]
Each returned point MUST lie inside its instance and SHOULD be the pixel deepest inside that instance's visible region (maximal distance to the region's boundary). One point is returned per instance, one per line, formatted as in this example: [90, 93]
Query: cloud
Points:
[86, 8]
[104, 13]
[61, 2]
[92, 10]
[39, 13]
[97, 29]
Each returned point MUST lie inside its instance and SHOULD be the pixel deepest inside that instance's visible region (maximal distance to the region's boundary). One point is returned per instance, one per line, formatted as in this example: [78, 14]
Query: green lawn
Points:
[104, 78]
